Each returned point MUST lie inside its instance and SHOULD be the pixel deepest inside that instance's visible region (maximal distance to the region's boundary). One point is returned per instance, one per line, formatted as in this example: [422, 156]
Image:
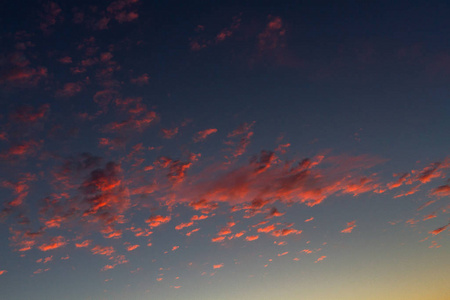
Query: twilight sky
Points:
[224, 150]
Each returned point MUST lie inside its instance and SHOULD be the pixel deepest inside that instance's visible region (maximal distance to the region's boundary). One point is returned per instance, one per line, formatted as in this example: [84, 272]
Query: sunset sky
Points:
[225, 150]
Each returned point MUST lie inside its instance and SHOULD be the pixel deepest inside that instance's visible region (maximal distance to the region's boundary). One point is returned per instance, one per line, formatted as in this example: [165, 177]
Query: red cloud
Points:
[122, 16]
[105, 195]
[203, 205]
[441, 191]
[51, 14]
[169, 133]
[202, 135]
[70, 89]
[134, 122]
[65, 60]
[244, 133]
[285, 232]
[183, 225]
[28, 115]
[199, 43]
[140, 80]
[177, 168]
[157, 220]
[19, 188]
[107, 251]
[55, 243]
[271, 37]
[303, 182]
[274, 213]
[402, 178]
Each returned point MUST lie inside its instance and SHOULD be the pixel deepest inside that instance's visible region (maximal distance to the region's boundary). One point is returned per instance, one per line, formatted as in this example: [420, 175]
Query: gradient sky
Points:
[224, 150]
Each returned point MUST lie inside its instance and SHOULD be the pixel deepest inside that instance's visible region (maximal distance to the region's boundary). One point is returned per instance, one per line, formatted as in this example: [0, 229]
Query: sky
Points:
[224, 150]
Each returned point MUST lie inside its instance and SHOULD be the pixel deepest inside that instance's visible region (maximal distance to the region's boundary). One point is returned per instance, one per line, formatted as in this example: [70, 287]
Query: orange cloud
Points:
[107, 267]
[107, 251]
[183, 225]
[157, 220]
[201, 217]
[218, 239]
[55, 242]
[132, 247]
[285, 232]
[251, 238]
[192, 231]
[267, 228]
[440, 229]
[219, 266]
[274, 213]
[402, 179]
[441, 191]
[320, 258]
[350, 226]
[83, 244]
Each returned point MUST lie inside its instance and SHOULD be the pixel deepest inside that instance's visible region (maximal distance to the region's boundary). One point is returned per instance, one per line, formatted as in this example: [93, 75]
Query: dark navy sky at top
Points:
[397, 100]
